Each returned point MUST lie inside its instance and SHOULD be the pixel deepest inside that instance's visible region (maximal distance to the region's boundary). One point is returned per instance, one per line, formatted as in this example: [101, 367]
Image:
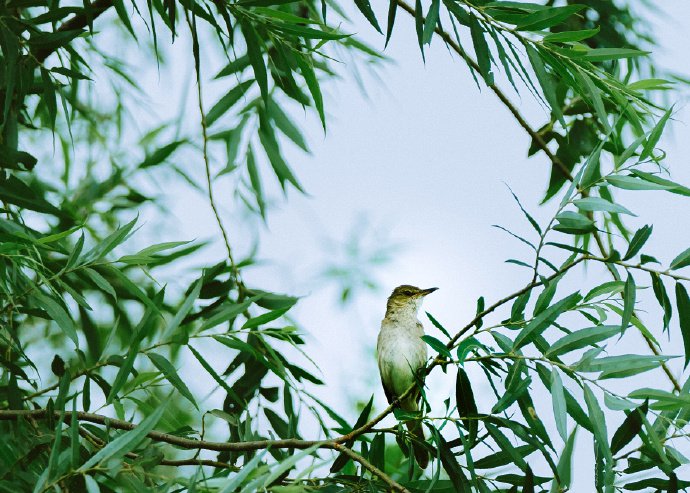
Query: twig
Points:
[207, 165]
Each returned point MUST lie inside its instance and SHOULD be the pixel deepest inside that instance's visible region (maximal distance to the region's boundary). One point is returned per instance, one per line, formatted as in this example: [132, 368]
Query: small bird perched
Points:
[402, 353]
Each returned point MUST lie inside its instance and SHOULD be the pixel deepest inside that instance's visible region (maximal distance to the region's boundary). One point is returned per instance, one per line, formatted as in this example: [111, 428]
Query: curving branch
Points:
[190, 444]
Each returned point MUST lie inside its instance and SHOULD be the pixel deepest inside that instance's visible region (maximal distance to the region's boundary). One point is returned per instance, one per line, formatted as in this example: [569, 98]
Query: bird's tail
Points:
[416, 429]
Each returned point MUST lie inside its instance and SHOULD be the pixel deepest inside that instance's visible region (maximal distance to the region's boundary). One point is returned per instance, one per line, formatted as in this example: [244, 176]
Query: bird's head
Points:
[407, 297]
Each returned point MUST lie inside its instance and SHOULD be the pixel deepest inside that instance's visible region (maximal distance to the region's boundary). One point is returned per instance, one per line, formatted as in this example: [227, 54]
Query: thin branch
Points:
[448, 39]
[542, 145]
[626, 265]
[188, 443]
[207, 164]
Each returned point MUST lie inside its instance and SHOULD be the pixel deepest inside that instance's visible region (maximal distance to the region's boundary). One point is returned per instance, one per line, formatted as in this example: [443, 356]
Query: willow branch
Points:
[448, 39]
[190, 444]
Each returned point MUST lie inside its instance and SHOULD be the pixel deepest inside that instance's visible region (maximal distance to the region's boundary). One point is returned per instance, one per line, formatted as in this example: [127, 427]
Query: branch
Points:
[187, 443]
[501, 95]
[542, 145]
[79, 21]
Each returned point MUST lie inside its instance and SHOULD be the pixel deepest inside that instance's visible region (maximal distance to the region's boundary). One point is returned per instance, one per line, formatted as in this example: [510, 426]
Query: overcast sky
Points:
[425, 158]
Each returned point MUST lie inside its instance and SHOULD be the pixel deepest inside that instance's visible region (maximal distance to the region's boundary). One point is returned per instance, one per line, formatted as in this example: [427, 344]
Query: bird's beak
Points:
[424, 292]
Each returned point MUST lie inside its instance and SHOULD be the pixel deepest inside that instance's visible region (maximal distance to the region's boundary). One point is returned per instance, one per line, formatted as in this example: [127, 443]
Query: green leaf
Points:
[225, 312]
[481, 49]
[127, 441]
[467, 407]
[629, 429]
[313, 84]
[505, 445]
[682, 260]
[503, 458]
[565, 465]
[582, 338]
[365, 8]
[438, 325]
[255, 180]
[161, 154]
[285, 125]
[244, 472]
[280, 167]
[512, 393]
[437, 345]
[570, 222]
[662, 298]
[570, 36]
[465, 346]
[604, 54]
[544, 19]
[655, 135]
[256, 57]
[236, 66]
[430, 21]
[451, 466]
[227, 101]
[610, 287]
[264, 318]
[628, 302]
[559, 406]
[171, 375]
[638, 240]
[392, 10]
[683, 304]
[592, 204]
[596, 417]
[110, 242]
[545, 319]
[627, 182]
[59, 314]
[184, 309]
[545, 81]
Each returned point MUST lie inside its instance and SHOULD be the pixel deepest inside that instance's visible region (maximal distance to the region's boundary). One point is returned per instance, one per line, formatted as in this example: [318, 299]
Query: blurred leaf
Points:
[161, 154]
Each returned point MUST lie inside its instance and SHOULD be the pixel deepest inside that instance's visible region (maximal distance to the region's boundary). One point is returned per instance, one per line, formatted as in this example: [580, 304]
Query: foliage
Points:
[110, 412]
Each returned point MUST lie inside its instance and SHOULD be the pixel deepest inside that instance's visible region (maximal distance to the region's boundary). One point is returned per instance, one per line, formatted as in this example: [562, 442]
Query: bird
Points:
[401, 353]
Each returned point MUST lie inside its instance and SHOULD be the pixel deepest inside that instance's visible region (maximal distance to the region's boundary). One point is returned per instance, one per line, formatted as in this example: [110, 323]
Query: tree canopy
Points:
[93, 396]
